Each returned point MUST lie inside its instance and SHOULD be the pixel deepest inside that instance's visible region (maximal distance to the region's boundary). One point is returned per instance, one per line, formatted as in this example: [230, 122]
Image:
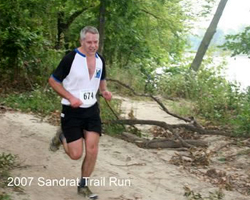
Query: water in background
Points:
[238, 68]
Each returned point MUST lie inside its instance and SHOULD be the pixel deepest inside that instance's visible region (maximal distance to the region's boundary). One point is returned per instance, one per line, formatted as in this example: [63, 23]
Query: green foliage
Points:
[182, 107]
[210, 94]
[214, 98]
[144, 33]
[138, 34]
[130, 76]
[25, 41]
[108, 115]
[206, 88]
[238, 43]
[241, 119]
[37, 69]
[7, 161]
[5, 197]
[43, 101]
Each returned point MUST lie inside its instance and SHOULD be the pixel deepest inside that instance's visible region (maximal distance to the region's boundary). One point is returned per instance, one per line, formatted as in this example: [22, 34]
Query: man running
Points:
[77, 79]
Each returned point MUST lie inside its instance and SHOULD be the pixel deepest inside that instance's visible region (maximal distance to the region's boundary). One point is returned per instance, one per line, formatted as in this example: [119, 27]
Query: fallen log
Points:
[150, 122]
[167, 126]
[159, 143]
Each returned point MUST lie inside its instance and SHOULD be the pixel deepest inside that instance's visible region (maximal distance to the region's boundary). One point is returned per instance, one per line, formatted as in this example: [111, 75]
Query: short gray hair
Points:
[88, 29]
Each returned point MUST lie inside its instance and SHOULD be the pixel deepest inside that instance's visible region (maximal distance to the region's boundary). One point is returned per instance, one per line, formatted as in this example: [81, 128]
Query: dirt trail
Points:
[137, 174]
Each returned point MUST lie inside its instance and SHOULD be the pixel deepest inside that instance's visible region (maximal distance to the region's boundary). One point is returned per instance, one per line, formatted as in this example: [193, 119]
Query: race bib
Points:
[88, 97]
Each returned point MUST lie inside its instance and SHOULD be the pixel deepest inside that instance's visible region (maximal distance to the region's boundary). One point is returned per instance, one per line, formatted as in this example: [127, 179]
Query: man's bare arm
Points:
[74, 102]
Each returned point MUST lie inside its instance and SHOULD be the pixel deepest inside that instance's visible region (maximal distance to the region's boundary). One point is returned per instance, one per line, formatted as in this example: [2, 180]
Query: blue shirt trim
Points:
[52, 76]
[77, 51]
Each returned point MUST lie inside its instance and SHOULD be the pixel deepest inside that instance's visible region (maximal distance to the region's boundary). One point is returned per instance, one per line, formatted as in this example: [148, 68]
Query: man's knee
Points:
[75, 155]
[75, 149]
[92, 149]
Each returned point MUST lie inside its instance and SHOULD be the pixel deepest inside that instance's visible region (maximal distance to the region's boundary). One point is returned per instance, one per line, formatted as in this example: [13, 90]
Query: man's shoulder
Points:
[69, 56]
[71, 53]
[101, 57]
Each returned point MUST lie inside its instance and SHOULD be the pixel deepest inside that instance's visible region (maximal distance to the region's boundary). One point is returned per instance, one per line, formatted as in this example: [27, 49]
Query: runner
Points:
[77, 79]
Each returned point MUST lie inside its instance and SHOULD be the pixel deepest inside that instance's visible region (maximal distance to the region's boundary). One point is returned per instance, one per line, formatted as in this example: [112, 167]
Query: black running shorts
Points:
[75, 120]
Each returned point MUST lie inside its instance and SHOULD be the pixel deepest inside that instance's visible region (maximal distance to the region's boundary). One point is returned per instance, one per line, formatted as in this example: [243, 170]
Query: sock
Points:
[83, 182]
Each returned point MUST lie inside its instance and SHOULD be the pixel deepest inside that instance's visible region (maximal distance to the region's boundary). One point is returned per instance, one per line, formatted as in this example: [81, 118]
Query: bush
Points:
[241, 119]
[43, 101]
[214, 97]
[129, 76]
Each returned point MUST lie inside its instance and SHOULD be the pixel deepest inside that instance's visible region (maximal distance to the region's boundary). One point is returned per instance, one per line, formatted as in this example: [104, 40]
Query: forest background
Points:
[148, 45]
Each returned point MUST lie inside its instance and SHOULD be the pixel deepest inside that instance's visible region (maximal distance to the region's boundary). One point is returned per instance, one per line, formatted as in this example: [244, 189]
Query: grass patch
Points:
[5, 197]
[42, 101]
[182, 107]
[7, 162]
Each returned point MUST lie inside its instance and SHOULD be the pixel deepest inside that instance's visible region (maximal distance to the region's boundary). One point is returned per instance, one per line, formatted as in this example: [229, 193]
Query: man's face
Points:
[91, 43]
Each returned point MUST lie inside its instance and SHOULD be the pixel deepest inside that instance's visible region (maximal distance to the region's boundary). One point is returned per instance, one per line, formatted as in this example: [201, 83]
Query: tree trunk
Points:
[208, 36]
[101, 27]
[63, 26]
[60, 30]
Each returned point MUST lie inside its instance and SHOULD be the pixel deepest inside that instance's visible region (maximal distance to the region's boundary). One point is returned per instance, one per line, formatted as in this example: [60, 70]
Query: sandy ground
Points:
[123, 171]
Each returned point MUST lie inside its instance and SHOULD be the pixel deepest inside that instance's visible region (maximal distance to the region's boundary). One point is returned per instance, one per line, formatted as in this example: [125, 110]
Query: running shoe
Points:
[86, 192]
[56, 140]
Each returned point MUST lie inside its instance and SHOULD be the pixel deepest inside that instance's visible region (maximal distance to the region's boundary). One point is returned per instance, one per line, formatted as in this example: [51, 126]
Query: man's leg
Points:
[91, 148]
[73, 149]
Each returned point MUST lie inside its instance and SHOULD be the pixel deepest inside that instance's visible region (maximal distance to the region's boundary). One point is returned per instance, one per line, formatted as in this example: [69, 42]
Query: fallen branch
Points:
[160, 143]
[169, 126]
[151, 122]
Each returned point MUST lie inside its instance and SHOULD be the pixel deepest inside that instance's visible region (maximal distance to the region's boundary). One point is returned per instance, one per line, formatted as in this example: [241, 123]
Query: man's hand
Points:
[107, 95]
[75, 102]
